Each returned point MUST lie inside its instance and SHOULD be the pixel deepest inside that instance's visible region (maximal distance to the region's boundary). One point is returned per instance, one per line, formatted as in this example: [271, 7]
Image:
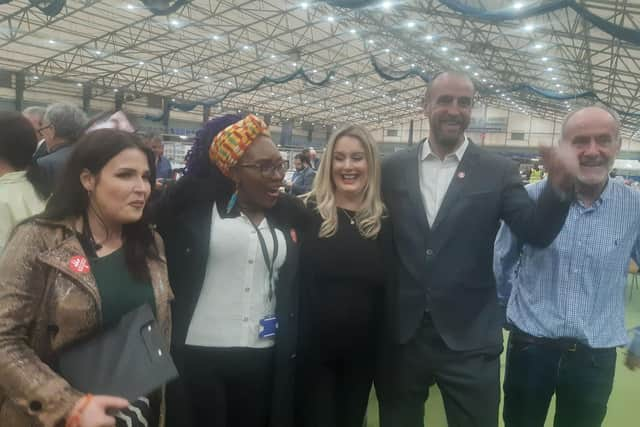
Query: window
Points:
[517, 136]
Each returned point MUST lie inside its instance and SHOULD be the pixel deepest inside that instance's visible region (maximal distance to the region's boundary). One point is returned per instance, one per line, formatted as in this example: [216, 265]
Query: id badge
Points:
[268, 327]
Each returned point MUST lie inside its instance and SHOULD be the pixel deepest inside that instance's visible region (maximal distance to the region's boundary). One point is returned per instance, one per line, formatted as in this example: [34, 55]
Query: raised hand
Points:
[562, 166]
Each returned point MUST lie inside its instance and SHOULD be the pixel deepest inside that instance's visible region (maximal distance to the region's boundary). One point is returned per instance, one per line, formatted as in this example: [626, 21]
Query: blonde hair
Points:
[369, 218]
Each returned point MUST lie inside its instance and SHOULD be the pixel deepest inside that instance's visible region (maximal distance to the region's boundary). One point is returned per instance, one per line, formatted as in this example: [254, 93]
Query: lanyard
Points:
[270, 263]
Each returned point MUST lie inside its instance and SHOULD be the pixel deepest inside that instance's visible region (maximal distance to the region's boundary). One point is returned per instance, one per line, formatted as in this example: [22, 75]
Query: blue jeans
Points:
[581, 378]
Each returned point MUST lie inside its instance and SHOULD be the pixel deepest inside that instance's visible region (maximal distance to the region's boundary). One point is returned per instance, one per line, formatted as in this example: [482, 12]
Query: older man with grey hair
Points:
[565, 302]
[62, 126]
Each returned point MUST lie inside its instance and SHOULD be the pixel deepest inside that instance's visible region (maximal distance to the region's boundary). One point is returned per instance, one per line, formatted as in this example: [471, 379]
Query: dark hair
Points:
[70, 199]
[18, 143]
[197, 160]
[304, 158]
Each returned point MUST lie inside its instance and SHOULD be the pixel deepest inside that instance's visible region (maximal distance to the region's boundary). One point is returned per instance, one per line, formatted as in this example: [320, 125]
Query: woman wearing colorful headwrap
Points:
[232, 257]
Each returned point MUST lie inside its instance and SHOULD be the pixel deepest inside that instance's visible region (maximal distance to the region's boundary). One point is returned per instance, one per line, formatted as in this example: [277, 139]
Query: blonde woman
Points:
[342, 286]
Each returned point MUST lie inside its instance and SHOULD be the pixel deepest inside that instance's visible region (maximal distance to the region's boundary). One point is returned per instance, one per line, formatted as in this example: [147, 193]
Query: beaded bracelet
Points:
[74, 419]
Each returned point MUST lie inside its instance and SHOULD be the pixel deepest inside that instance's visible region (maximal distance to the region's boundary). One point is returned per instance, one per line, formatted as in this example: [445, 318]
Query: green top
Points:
[120, 293]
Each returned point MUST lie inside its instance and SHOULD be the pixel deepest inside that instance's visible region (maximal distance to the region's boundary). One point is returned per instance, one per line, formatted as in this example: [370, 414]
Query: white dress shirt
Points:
[436, 175]
[234, 296]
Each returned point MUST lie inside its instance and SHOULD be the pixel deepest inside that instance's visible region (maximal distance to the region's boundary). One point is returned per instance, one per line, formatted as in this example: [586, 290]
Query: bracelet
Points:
[74, 419]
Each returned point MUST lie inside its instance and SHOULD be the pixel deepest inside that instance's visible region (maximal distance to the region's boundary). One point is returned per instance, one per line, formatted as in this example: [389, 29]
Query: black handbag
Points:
[128, 360]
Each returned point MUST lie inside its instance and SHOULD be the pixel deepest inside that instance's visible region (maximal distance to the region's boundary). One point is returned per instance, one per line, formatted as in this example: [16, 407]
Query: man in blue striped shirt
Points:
[565, 305]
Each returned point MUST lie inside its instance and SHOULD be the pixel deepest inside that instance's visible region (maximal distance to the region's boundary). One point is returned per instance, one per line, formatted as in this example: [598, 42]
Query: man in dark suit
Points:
[446, 198]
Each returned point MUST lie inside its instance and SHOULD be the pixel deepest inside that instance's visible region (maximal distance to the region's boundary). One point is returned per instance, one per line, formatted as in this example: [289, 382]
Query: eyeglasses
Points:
[43, 128]
[267, 169]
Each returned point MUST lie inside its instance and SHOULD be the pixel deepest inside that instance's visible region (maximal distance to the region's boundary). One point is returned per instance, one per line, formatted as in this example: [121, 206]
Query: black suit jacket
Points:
[183, 217]
[447, 268]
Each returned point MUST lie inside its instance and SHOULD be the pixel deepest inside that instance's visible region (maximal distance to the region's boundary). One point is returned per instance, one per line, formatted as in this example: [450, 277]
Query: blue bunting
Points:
[617, 31]
[189, 106]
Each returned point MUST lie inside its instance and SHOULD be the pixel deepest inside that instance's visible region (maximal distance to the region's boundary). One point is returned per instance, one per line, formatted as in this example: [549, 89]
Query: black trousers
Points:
[228, 387]
[580, 377]
[334, 392]
[469, 382]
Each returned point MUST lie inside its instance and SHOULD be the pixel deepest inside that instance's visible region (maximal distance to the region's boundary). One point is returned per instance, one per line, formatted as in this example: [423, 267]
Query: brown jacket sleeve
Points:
[27, 383]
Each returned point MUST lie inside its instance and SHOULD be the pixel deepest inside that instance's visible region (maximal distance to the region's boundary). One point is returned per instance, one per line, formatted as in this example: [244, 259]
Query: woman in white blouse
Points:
[232, 257]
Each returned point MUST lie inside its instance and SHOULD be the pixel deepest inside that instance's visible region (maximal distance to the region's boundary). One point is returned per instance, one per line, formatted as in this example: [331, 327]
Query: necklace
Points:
[352, 218]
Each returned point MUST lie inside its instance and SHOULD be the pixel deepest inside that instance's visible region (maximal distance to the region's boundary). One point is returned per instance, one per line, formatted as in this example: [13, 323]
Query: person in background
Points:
[77, 268]
[341, 297]
[445, 199]
[303, 177]
[163, 165]
[312, 155]
[35, 116]
[232, 255]
[22, 190]
[62, 126]
[566, 302]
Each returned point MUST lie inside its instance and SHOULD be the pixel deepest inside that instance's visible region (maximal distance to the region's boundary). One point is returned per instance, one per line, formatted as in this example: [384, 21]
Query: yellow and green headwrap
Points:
[230, 144]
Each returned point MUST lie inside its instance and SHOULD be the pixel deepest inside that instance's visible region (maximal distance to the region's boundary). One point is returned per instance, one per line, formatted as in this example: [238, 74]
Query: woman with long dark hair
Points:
[22, 188]
[74, 270]
[232, 257]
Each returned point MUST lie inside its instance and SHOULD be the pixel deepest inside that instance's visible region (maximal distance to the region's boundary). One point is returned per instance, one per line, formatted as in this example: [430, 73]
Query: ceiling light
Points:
[98, 52]
[561, 91]
[429, 37]
[206, 77]
[330, 18]
[413, 65]
[371, 42]
[386, 5]
[35, 77]
[476, 74]
[230, 83]
[444, 48]
[557, 85]
[352, 31]
[360, 87]
[273, 57]
[484, 80]
[175, 22]
[295, 64]
[538, 46]
[216, 37]
[528, 27]
[545, 59]
[173, 100]
[400, 58]
[411, 24]
[141, 63]
[115, 90]
[245, 47]
[491, 86]
[304, 5]
[315, 71]
[456, 59]
[175, 70]
[386, 50]
[550, 69]
[79, 84]
[130, 6]
[466, 67]
[554, 78]
[517, 5]
[52, 42]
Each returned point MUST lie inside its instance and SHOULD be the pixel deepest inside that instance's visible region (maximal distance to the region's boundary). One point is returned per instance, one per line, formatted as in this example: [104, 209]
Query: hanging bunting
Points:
[615, 30]
[189, 106]
[523, 87]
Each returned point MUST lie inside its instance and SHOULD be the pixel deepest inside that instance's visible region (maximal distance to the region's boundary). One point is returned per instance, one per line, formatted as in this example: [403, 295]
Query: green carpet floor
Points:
[624, 404]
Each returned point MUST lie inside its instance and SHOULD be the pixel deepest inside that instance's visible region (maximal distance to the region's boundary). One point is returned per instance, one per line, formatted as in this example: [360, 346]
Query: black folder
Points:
[129, 360]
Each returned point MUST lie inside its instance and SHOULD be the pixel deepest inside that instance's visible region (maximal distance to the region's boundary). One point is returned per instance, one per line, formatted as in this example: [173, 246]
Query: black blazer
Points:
[447, 268]
[183, 217]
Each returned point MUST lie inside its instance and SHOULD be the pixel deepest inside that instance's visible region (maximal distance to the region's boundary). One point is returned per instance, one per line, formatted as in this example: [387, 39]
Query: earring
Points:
[232, 201]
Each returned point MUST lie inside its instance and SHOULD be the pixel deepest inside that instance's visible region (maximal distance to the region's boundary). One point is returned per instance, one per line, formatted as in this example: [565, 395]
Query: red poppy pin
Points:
[294, 235]
[461, 175]
[79, 264]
